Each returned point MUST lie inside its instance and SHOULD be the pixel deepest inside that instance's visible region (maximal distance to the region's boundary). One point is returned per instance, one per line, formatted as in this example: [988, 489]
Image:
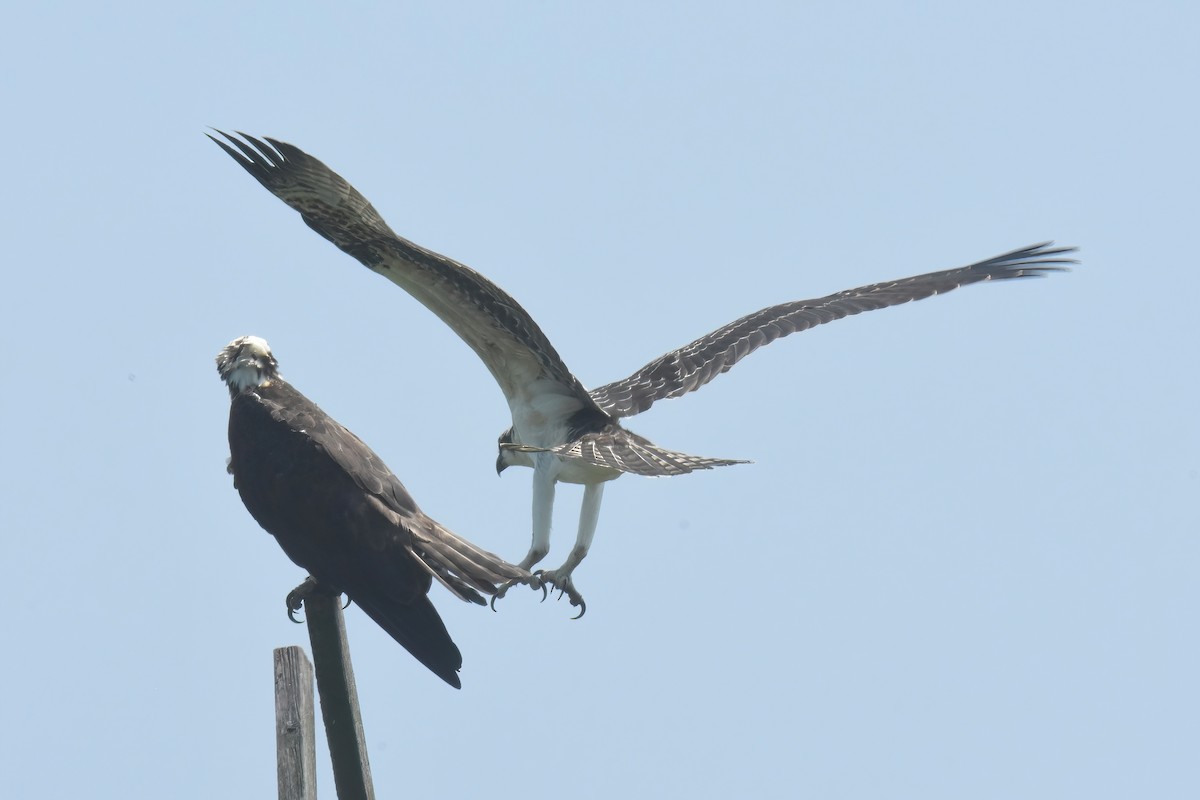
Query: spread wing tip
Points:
[256, 156]
[1033, 261]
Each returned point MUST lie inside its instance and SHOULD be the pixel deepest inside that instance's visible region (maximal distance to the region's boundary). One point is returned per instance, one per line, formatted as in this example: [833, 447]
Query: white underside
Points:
[540, 414]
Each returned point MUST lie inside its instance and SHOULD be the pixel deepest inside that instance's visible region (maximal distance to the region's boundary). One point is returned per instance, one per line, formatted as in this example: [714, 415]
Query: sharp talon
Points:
[501, 590]
[294, 601]
[348, 602]
[565, 587]
[295, 598]
[537, 583]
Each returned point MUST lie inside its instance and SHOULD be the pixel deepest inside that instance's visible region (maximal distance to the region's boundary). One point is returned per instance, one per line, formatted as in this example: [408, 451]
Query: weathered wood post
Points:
[295, 725]
[339, 697]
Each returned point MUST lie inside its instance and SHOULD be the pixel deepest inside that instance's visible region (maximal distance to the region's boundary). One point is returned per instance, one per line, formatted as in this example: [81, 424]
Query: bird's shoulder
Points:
[313, 434]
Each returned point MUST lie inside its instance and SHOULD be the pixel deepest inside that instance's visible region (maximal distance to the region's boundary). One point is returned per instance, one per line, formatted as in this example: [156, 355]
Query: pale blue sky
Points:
[963, 564]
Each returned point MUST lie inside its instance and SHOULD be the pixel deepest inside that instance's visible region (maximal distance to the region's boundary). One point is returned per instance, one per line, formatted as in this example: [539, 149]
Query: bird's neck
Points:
[245, 377]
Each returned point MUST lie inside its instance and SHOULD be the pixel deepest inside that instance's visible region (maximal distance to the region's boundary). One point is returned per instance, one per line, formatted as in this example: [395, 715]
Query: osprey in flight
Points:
[339, 512]
[560, 429]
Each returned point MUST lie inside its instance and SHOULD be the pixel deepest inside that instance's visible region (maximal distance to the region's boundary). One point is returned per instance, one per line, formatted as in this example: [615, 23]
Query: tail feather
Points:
[625, 451]
[419, 630]
[462, 567]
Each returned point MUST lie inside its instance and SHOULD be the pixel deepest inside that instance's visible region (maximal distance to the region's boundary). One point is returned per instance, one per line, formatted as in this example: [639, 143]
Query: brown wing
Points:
[492, 323]
[684, 370]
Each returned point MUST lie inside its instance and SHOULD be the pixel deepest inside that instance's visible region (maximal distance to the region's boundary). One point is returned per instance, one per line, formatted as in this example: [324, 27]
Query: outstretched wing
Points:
[684, 370]
[501, 333]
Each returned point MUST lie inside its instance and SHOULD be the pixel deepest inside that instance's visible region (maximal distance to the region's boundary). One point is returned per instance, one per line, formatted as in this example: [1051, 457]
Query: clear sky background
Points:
[963, 563]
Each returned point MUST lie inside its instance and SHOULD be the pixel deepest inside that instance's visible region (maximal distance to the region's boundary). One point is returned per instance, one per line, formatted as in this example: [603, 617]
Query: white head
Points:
[246, 362]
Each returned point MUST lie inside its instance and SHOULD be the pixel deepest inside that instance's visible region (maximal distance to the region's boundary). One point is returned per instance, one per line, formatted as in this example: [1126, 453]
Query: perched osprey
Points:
[339, 512]
[560, 429]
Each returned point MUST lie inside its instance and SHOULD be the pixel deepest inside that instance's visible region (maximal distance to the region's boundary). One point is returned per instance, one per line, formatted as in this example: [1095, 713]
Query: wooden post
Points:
[295, 725]
[339, 698]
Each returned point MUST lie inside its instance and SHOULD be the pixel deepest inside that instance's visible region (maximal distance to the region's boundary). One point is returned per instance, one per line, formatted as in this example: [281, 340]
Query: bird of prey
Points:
[339, 512]
[560, 429]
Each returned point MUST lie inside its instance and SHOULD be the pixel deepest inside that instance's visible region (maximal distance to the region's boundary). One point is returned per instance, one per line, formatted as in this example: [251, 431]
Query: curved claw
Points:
[503, 588]
[565, 586]
[582, 609]
[541, 584]
[295, 598]
[295, 601]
